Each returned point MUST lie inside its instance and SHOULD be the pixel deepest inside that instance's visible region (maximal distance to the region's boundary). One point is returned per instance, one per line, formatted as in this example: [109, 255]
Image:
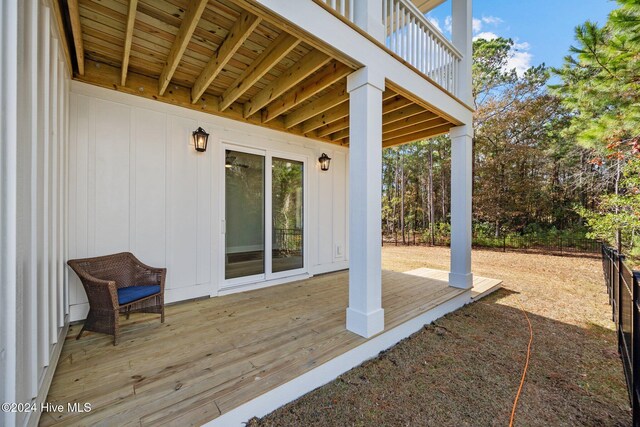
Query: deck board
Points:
[213, 355]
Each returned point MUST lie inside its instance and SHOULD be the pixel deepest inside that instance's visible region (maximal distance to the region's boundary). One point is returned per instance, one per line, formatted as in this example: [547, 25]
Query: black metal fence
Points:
[624, 296]
[556, 245]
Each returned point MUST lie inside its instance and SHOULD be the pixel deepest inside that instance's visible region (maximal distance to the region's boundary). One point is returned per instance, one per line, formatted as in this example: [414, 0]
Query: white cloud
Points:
[434, 21]
[477, 25]
[492, 20]
[447, 23]
[487, 35]
[520, 59]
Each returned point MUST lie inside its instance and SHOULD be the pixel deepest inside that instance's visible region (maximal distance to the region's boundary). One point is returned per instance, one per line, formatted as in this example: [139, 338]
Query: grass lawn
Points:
[464, 370]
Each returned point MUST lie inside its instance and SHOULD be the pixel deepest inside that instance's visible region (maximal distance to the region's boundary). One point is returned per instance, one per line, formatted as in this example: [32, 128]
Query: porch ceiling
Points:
[218, 57]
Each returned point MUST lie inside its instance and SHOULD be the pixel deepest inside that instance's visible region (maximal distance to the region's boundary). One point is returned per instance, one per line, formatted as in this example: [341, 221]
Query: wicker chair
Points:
[118, 284]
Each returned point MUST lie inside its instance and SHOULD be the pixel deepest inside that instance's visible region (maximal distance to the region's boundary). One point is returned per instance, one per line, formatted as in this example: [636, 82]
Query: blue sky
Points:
[542, 29]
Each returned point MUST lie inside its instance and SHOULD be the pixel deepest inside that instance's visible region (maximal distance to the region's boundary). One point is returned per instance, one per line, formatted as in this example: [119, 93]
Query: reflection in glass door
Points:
[244, 214]
[286, 214]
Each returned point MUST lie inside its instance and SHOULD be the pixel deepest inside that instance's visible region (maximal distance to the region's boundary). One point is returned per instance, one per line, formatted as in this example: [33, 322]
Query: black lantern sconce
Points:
[200, 139]
[324, 162]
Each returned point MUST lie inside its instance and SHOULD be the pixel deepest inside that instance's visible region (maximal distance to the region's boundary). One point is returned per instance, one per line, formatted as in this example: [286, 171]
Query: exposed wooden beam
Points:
[416, 128]
[270, 56]
[240, 31]
[403, 113]
[315, 84]
[417, 136]
[409, 121]
[299, 71]
[344, 133]
[57, 13]
[329, 116]
[76, 30]
[319, 106]
[128, 38]
[333, 127]
[395, 103]
[187, 27]
[388, 94]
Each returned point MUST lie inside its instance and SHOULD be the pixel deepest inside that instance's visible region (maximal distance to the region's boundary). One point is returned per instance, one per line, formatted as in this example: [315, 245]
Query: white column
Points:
[365, 315]
[461, 161]
[367, 14]
[461, 36]
[8, 207]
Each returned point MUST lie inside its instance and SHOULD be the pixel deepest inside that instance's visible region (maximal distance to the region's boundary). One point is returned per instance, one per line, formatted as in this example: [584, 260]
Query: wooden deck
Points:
[213, 355]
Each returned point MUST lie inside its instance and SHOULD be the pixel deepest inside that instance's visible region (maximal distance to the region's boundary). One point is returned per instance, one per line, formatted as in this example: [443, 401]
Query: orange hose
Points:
[526, 364]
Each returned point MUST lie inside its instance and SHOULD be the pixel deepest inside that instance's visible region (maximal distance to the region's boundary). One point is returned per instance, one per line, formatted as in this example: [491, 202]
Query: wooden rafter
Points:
[76, 30]
[240, 31]
[403, 113]
[409, 121]
[187, 27]
[299, 71]
[395, 103]
[128, 38]
[344, 133]
[315, 84]
[336, 126]
[336, 113]
[269, 57]
[337, 96]
[417, 136]
[415, 128]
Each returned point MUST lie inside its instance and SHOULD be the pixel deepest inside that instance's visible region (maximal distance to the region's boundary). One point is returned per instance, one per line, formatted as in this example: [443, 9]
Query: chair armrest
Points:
[148, 274]
[102, 294]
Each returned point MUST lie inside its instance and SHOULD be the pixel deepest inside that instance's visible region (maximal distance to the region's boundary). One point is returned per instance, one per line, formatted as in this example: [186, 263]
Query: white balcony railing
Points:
[413, 38]
[344, 8]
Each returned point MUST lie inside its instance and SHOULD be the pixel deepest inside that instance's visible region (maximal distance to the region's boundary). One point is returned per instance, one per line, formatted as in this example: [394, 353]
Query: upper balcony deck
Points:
[264, 62]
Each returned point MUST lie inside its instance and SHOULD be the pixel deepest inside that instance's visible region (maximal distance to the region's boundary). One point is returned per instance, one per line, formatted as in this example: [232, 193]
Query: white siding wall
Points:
[34, 312]
[137, 184]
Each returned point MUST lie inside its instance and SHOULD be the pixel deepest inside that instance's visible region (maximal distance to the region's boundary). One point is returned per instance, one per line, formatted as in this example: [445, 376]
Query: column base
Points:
[462, 281]
[365, 324]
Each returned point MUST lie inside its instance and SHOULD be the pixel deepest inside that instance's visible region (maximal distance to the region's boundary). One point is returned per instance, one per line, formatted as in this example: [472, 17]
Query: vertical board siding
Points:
[138, 184]
[39, 312]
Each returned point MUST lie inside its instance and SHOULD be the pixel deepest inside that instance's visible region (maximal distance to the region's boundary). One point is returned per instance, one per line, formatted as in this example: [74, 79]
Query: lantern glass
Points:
[200, 139]
[324, 162]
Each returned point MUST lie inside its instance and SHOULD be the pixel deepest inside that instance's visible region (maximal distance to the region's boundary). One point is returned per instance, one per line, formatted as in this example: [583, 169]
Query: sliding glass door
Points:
[263, 208]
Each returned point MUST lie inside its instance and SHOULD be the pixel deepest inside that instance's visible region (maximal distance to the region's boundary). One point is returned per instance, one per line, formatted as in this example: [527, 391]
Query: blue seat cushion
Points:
[134, 293]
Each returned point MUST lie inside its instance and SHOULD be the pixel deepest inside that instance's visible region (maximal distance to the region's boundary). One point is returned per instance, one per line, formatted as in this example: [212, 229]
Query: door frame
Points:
[268, 275]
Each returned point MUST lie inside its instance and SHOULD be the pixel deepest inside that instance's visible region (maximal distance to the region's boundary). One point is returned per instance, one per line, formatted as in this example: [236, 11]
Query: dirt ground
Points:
[464, 370]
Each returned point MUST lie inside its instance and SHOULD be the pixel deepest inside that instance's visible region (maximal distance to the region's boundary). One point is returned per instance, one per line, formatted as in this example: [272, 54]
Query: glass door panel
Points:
[287, 214]
[244, 214]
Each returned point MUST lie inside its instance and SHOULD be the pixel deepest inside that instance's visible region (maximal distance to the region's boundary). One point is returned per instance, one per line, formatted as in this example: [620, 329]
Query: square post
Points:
[461, 162]
[461, 35]
[368, 16]
[365, 316]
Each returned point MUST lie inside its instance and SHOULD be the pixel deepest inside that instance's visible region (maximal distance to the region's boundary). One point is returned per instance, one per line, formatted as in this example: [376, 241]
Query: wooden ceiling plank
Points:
[403, 113]
[328, 76]
[440, 130]
[269, 57]
[76, 30]
[128, 38]
[188, 26]
[242, 28]
[317, 107]
[329, 116]
[409, 121]
[388, 94]
[333, 127]
[308, 65]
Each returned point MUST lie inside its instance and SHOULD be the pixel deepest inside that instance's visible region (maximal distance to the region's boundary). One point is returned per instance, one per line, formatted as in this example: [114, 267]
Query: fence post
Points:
[560, 245]
[504, 243]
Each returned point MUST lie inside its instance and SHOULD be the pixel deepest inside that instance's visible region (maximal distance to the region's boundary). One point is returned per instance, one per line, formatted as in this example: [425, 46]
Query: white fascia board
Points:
[315, 20]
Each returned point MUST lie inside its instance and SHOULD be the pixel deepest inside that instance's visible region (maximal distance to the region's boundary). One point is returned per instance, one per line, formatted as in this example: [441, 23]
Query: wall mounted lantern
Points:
[200, 138]
[324, 162]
